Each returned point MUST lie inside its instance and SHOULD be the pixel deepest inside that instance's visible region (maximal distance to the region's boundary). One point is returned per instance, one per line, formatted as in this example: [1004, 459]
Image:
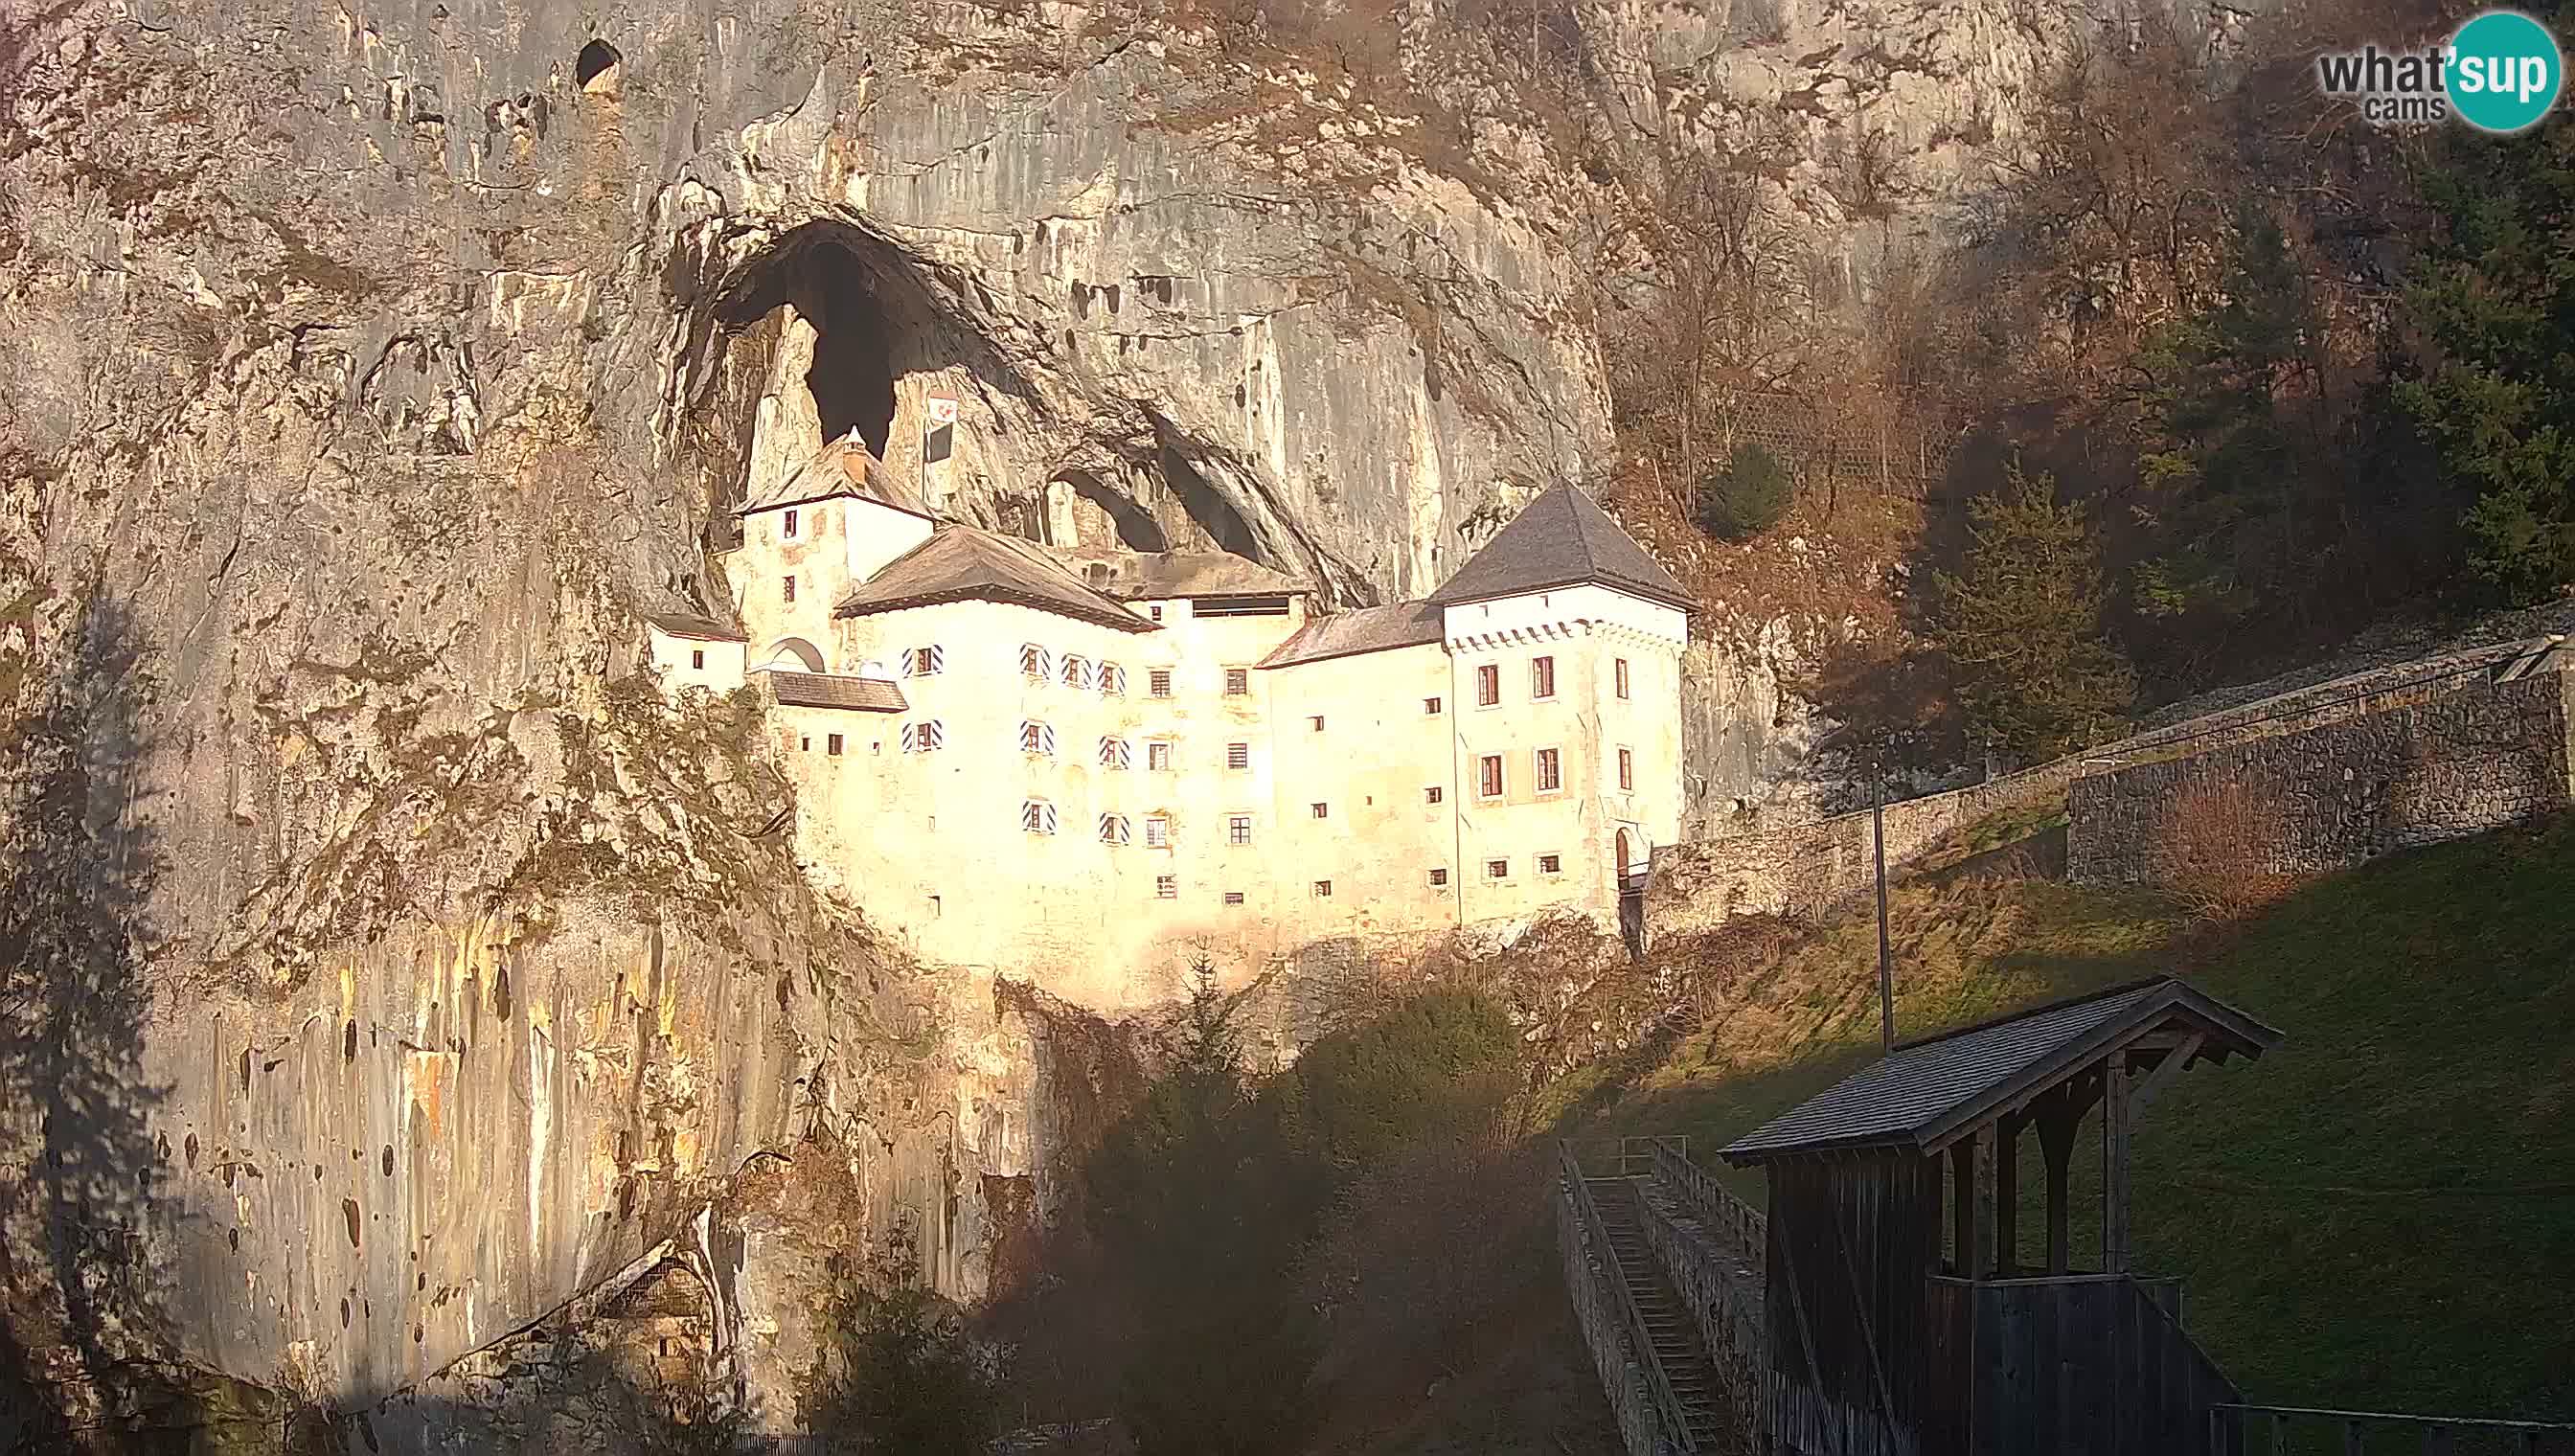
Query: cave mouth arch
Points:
[1213, 513]
[870, 324]
[596, 68]
[1078, 505]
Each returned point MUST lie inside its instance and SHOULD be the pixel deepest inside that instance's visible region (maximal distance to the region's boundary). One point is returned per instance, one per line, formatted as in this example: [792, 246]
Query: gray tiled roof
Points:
[1363, 630]
[831, 689]
[1925, 1089]
[696, 629]
[961, 563]
[842, 468]
[1140, 576]
[1562, 538]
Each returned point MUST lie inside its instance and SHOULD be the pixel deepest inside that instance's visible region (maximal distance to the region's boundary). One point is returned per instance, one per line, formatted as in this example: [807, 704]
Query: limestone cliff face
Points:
[387, 967]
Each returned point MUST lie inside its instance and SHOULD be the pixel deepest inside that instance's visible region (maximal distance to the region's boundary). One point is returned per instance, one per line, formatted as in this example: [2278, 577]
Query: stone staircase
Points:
[1677, 1345]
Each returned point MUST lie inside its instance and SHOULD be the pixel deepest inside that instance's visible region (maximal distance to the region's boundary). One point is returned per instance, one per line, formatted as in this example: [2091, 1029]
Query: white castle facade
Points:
[1086, 768]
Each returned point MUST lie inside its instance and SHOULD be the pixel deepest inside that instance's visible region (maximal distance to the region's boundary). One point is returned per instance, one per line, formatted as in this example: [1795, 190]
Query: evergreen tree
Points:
[2221, 474]
[2494, 295]
[2023, 625]
[1746, 496]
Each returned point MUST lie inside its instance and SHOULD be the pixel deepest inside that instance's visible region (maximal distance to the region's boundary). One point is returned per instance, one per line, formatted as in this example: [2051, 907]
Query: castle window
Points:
[1238, 682]
[1112, 680]
[1317, 722]
[1429, 706]
[927, 662]
[1157, 835]
[1237, 755]
[1618, 669]
[1037, 817]
[925, 737]
[1167, 886]
[1323, 889]
[1157, 758]
[832, 746]
[1115, 754]
[1036, 663]
[1157, 609]
[1626, 770]
[1160, 681]
[1491, 781]
[1037, 738]
[1438, 877]
[1076, 672]
[791, 526]
[1112, 829]
[1541, 677]
[805, 745]
[1237, 829]
[1497, 869]
[1323, 810]
[791, 589]
[1488, 685]
[1551, 775]
[1233, 896]
[697, 659]
[1432, 794]
[1550, 864]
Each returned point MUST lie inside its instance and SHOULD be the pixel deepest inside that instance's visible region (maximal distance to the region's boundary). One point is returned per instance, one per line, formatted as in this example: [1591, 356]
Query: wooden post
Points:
[1986, 1219]
[2114, 1163]
[1962, 1202]
[2059, 1116]
[2007, 1197]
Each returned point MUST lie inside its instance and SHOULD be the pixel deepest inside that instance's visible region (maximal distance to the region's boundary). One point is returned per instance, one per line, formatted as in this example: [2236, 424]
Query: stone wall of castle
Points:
[1804, 870]
[2471, 757]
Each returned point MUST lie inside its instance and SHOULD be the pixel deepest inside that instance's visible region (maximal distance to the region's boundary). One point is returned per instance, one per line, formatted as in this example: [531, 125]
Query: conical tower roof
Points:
[1562, 540]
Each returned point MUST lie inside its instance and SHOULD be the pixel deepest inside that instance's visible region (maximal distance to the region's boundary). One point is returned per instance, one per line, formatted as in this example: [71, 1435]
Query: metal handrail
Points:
[1667, 1404]
[1715, 1205]
[2353, 1420]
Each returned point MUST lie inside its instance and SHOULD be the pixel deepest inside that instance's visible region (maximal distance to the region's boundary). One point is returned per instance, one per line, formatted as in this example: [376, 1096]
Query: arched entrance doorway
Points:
[1631, 889]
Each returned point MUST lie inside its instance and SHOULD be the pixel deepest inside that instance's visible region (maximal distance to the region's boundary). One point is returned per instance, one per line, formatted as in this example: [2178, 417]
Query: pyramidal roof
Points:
[1560, 539]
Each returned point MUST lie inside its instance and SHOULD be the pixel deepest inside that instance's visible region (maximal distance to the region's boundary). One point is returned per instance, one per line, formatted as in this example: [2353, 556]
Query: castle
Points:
[1089, 765]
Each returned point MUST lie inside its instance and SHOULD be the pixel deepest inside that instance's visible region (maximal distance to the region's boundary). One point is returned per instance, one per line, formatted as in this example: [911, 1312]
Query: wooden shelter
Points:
[1902, 1321]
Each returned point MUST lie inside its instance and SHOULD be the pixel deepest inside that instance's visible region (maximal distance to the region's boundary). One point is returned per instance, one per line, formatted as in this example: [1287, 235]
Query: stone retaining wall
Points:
[1805, 871]
[2439, 763]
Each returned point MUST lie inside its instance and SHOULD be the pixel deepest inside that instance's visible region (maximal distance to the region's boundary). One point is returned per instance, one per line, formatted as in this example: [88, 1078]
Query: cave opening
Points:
[595, 69]
[1208, 508]
[836, 292]
[1078, 497]
[852, 374]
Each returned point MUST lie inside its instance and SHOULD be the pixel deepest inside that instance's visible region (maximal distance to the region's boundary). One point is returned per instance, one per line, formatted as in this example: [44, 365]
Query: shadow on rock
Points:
[78, 862]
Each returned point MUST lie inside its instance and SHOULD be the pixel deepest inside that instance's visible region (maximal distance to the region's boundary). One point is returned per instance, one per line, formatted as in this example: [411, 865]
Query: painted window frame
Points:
[1547, 769]
[1542, 678]
[928, 735]
[1116, 753]
[1037, 662]
[1491, 770]
[1115, 828]
[925, 662]
[1036, 737]
[1037, 817]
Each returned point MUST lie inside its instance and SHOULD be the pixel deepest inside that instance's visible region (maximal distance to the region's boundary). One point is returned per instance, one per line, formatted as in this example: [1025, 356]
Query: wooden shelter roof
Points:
[1927, 1094]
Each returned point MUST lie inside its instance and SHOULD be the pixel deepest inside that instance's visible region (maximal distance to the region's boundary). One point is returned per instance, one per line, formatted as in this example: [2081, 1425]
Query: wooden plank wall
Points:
[1853, 1243]
[2084, 1366]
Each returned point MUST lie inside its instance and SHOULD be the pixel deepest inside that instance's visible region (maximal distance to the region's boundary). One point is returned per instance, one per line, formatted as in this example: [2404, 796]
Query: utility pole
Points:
[1885, 951]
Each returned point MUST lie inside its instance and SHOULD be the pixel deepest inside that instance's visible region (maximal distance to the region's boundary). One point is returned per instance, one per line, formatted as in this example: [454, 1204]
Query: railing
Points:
[2231, 1430]
[1723, 1291]
[1716, 1207]
[1594, 1237]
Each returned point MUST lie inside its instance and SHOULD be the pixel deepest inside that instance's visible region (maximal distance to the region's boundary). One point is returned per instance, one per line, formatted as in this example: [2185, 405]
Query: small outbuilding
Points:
[691, 651]
[1902, 1319]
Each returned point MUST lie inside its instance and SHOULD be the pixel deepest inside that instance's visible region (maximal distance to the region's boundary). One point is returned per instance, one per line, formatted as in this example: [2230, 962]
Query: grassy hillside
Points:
[2378, 1215]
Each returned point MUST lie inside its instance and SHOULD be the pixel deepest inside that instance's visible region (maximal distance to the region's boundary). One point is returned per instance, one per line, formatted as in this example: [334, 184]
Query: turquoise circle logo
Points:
[2504, 71]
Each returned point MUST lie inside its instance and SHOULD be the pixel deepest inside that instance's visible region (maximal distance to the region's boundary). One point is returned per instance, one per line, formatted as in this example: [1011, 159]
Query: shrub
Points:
[1748, 495]
[2218, 845]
